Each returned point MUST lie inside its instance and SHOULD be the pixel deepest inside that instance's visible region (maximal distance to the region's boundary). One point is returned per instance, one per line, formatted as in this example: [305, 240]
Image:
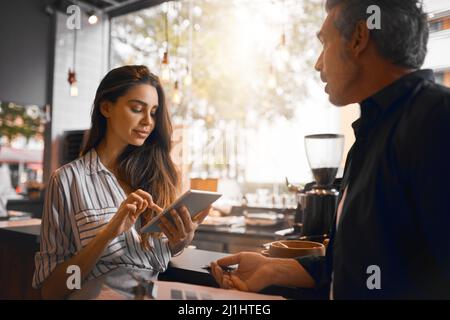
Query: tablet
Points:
[194, 200]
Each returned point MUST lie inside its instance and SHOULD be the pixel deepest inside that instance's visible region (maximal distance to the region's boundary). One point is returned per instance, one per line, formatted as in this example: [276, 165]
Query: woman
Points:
[124, 176]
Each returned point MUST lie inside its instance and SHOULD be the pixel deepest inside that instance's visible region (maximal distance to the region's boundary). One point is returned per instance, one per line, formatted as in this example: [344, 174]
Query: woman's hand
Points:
[181, 232]
[130, 209]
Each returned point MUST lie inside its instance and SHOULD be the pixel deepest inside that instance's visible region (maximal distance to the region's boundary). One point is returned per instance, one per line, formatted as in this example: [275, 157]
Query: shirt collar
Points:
[378, 103]
[94, 165]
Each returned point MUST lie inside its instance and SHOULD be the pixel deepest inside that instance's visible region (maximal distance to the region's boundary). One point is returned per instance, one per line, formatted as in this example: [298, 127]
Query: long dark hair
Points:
[148, 167]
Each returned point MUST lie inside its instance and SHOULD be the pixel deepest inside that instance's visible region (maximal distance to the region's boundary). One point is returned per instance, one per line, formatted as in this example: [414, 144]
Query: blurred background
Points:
[238, 74]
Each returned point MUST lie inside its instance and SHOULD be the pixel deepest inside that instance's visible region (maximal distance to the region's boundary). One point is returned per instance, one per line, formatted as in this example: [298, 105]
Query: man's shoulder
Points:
[437, 106]
[424, 126]
[425, 118]
[438, 89]
[436, 94]
[431, 102]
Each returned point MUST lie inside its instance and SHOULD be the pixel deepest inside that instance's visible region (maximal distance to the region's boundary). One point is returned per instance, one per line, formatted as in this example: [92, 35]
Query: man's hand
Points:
[254, 272]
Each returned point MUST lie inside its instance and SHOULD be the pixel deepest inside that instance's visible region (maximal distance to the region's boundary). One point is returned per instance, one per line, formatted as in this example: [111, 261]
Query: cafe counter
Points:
[19, 240]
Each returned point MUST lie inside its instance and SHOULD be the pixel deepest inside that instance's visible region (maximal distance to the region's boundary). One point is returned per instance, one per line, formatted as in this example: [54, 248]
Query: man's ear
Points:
[360, 39]
[105, 108]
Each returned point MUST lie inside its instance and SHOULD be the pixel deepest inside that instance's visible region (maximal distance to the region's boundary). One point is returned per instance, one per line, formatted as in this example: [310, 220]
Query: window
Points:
[240, 78]
[435, 26]
[21, 148]
[439, 76]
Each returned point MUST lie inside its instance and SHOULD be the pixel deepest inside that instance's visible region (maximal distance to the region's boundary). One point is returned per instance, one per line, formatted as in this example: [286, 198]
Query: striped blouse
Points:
[82, 196]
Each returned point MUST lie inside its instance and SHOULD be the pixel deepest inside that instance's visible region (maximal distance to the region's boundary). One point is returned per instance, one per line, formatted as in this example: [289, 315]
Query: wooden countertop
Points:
[186, 267]
[32, 227]
[27, 226]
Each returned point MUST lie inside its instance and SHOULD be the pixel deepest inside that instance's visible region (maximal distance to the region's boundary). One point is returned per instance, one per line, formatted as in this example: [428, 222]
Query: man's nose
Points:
[318, 66]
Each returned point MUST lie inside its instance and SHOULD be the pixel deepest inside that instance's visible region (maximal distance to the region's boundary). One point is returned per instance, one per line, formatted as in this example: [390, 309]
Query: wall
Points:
[73, 113]
[25, 55]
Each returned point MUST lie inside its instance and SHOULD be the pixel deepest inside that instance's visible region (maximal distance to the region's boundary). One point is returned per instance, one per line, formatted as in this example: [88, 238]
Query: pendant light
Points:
[281, 54]
[72, 78]
[272, 80]
[188, 78]
[165, 68]
[176, 96]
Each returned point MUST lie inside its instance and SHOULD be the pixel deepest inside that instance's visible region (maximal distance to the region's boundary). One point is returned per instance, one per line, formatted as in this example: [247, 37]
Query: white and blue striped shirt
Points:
[82, 196]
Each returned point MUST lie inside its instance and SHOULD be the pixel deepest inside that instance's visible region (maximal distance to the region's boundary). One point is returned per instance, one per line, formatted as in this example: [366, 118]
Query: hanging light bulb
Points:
[73, 83]
[272, 80]
[188, 77]
[93, 19]
[283, 50]
[74, 90]
[281, 55]
[165, 69]
[176, 97]
[72, 78]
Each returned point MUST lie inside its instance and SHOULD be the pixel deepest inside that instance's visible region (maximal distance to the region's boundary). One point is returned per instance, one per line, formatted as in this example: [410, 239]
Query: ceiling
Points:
[110, 7]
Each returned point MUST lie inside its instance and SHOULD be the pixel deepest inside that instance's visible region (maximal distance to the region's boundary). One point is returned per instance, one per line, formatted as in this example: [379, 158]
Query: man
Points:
[391, 238]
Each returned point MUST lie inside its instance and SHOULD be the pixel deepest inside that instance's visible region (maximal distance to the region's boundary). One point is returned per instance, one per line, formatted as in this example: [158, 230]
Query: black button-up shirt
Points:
[396, 215]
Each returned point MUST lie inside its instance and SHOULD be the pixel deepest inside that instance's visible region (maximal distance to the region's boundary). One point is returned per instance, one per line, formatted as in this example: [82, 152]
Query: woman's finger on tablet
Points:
[186, 218]
[144, 206]
[202, 215]
[145, 195]
[167, 232]
[157, 208]
[132, 211]
[178, 223]
[131, 208]
[169, 226]
[136, 199]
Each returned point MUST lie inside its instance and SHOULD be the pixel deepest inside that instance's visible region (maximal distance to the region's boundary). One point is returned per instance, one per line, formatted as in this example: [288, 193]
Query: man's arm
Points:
[291, 273]
[316, 267]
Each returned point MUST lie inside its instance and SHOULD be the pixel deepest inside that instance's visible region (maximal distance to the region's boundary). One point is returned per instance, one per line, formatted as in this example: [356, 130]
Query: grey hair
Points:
[403, 36]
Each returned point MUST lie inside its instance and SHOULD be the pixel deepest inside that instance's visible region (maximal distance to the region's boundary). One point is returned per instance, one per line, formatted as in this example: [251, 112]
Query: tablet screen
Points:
[194, 200]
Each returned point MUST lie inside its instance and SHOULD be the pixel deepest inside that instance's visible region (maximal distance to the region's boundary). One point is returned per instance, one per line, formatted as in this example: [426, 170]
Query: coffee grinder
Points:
[318, 200]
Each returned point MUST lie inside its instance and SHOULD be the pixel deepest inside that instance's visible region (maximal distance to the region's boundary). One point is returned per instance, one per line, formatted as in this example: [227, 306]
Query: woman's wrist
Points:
[107, 234]
[177, 249]
[179, 252]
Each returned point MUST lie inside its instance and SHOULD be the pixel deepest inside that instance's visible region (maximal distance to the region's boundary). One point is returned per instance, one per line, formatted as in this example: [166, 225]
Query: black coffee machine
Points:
[317, 201]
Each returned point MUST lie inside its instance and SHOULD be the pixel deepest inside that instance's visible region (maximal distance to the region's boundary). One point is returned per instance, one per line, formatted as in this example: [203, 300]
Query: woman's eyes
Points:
[138, 110]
